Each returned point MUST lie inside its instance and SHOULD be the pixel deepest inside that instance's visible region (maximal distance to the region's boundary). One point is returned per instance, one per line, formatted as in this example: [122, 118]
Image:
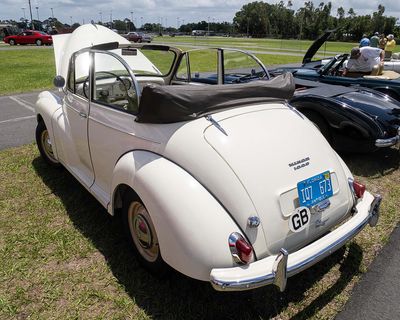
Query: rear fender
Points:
[191, 225]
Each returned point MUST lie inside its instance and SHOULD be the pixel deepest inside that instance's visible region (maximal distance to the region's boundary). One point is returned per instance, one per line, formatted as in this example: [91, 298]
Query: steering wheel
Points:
[124, 85]
[335, 71]
[245, 78]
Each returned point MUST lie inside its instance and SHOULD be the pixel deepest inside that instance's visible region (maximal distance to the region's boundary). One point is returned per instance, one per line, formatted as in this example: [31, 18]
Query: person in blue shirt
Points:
[364, 41]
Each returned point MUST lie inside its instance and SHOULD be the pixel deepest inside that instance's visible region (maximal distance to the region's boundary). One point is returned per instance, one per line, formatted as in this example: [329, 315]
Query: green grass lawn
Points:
[300, 46]
[63, 257]
[26, 70]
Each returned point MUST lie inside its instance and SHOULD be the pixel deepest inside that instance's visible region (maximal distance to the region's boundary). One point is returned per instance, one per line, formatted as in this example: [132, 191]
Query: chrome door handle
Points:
[83, 115]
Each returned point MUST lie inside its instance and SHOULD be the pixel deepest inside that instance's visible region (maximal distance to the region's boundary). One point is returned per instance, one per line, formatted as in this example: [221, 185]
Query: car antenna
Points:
[92, 22]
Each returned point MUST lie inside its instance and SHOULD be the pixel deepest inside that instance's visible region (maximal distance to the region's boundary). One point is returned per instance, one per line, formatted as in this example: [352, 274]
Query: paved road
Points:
[17, 119]
[377, 295]
[8, 47]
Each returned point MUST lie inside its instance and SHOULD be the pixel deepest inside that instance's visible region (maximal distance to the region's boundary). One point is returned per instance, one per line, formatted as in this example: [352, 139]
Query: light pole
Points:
[111, 19]
[71, 20]
[37, 12]
[30, 10]
[101, 17]
[131, 26]
[141, 22]
[208, 32]
[23, 9]
[52, 13]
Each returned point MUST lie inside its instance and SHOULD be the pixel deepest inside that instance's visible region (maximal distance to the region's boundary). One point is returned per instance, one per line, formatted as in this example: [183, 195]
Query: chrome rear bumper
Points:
[276, 269]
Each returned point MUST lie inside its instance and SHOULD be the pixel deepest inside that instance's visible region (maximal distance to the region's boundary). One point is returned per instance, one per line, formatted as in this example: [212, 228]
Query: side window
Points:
[81, 74]
[200, 72]
[28, 33]
[113, 85]
[182, 73]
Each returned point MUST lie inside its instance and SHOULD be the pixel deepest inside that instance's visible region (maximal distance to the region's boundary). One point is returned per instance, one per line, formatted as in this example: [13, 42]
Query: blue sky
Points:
[169, 12]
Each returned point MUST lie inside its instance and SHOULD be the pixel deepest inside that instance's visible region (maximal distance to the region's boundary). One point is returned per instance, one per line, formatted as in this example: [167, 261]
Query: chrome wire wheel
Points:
[143, 232]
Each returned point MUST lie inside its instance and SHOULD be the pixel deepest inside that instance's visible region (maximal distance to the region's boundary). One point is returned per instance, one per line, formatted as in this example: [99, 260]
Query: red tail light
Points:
[359, 189]
[241, 250]
[245, 252]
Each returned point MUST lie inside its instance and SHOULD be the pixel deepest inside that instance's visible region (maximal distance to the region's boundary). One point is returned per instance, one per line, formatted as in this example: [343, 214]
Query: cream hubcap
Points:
[142, 231]
[47, 147]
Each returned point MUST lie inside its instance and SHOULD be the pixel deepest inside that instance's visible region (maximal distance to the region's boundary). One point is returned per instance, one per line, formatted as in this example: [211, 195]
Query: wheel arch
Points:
[192, 226]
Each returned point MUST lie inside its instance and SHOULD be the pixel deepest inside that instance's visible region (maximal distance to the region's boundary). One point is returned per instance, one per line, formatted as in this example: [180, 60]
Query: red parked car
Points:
[29, 37]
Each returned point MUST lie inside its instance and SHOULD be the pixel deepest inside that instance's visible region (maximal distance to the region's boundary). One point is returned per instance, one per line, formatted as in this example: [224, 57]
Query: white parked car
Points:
[224, 183]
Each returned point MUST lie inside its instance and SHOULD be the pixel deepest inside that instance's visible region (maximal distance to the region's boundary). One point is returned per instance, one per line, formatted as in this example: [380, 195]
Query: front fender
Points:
[191, 225]
[46, 105]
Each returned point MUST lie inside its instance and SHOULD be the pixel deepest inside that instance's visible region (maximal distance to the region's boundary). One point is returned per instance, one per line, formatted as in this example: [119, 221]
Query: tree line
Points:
[261, 19]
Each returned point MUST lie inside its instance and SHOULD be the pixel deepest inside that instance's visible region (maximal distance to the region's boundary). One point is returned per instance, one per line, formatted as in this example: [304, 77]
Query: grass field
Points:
[63, 257]
[26, 70]
[299, 46]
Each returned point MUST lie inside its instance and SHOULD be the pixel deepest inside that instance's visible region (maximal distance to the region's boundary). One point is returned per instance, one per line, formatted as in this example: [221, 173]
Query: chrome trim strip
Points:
[382, 143]
[272, 277]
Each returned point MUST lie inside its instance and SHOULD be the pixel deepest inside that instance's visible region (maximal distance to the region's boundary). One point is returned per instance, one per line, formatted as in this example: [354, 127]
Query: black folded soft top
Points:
[167, 104]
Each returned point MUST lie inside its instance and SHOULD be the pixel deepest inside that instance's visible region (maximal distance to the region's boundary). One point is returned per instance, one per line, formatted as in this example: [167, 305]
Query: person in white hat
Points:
[390, 45]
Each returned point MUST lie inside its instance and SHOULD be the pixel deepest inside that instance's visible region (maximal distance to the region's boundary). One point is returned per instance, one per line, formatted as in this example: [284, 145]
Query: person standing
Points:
[382, 41]
[374, 40]
[364, 41]
[390, 45]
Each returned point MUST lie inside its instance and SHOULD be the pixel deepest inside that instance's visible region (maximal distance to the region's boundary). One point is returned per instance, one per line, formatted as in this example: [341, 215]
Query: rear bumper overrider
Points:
[276, 269]
[382, 143]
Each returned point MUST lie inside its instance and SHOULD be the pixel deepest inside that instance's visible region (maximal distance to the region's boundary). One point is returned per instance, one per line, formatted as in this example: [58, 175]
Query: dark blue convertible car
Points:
[330, 71]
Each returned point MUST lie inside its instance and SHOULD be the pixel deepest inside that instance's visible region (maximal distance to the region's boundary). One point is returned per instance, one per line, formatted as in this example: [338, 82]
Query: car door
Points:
[73, 123]
[112, 127]
[23, 38]
[29, 38]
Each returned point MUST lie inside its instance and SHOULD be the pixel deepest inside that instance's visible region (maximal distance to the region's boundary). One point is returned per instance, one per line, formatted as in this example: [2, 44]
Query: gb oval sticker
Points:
[299, 219]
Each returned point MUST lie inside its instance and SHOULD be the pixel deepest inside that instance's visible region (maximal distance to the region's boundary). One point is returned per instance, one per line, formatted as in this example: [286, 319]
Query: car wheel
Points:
[319, 122]
[38, 42]
[44, 144]
[141, 233]
[12, 42]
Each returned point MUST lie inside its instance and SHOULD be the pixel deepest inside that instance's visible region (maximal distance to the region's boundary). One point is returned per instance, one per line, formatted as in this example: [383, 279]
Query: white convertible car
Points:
[224, 183]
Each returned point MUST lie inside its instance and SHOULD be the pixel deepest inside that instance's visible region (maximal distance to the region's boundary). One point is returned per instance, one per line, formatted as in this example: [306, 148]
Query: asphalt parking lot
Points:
[17, 119]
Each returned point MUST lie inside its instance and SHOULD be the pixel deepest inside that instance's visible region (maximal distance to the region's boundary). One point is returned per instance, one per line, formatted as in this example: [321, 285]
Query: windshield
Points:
[149, 61]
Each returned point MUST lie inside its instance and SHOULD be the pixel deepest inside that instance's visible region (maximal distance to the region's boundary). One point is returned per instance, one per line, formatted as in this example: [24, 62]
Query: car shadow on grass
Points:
[376, 164]
[177, 296]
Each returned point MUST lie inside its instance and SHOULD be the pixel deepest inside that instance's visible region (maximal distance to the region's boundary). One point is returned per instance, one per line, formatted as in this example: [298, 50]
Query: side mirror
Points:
[59, 81]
